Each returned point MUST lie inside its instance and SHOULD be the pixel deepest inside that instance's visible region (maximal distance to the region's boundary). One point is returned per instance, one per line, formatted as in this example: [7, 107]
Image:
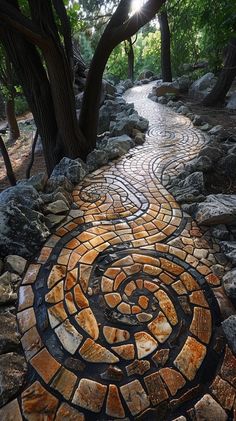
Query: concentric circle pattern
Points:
[118, 313]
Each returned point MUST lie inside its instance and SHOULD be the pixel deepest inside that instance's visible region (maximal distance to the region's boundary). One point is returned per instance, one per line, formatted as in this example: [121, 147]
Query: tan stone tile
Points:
[174, 380]
[166, 278]
[31, 274]
[201, 324]
[114, 407]
[64, 382]
[171, 267]
[179, 288]
[144, 317]
[31, 342]
[167, 306]
[138, 367]
[143, 301]
[92, 352]
[136, 309]
[161, 357]
[45, 365]
[67, 413]
[150, 286]
[125, 261]
[90, 395]
[44, 254]
[57, 273]
[114, 335]
[130, 288]
[70, 303]
[57, 314]
[224, 392]
[113, 299]
[131, 270]
[189, 282]
[25, 297]
[152, 270]
[26, 319]
[84, 276]
[119, 279]
[124, 351]
[38, 404]
[80, 298]
[135, 397]
[139, 283]
[190, 358]
[228, 368]
[112, 272]
[106, 284]
[56, 294]
[124, 308]
[198, 297]
[89, 257]
[68, 336]
[86, 320]
[155, 388]
[213, 279]
[11, 412]
[73, 260]
[145, 344]
[160, 328]
[71, 279]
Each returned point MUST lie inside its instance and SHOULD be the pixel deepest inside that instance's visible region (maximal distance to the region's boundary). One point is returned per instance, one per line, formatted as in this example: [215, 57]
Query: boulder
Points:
[109, 88]
[197, 120]
[9, 336]
[220, 232]
[7, 289]
[146, 74]
[231, 104]
[229, 283]
[127, 124]
[184, 82]
[57, 207]
[53, 220]
[183, 110]
[22, 230]
[118, 146]
[229, 249]
[228, 165]
[12, 375]
[202, 163]
[104, 119]
[96, 159]
[15, 264]
[189, 190]
[202, 87]
[37, 181]
[161, 99]
[21, 194]
[59, 182]
[211, 152]
[216, 209]
[229, 328]
[166, 88]
[73, 169]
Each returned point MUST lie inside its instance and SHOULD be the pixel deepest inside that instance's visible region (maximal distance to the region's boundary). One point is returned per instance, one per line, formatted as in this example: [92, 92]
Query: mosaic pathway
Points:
[118, 314]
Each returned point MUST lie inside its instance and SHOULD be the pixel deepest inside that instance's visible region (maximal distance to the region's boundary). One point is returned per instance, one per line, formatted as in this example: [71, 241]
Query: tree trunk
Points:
[11, 119]
[218, 94]
[165, 47]
[130, 60]
[9, 170]
[28, 169]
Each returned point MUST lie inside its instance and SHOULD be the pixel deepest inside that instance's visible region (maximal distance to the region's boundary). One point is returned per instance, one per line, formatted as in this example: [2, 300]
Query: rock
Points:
[73, 169]
[12, 375]
[57, 207]
[15, 263]
[29, 223]
[184, 82]
[228, 165]
[54, 220]
[231, 104]
[58, 194]
[183, 110]
[1, 266]
[59, 182]
[37, 181]
[201, 87]
[118, 146]
[220, 232]
[211, 152]
[146, 74]
[216, 130]
[197, 120]
[109, 88]
[205, 127]
[229, 249]
[195, 180]
[7, 288]
[127, 124]
[203, 163]
[229, 328]
[216, 209]
[104, 119]
[164, 88]
[9, 336]
[189, 189]
[207, 409]
[96, 159]
[21, 194]
[139, 139]
[127, 84]
[229, 283]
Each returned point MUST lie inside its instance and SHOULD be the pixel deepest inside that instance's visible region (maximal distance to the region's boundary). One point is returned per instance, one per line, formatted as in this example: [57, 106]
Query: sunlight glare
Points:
[136, 6]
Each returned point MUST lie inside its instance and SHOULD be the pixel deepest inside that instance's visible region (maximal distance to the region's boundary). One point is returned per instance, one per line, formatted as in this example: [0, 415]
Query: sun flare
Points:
[136, 6]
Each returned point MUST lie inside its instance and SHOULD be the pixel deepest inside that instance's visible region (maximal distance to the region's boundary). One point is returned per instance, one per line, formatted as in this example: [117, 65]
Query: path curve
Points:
[117, 313]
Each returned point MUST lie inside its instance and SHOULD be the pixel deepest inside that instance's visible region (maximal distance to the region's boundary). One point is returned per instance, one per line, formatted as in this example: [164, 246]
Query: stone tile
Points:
[38, 404]
[106, 284]
[190, 358]
[152, 270]
[45, 365]
[26, 319]
[114, 407]
[57, 314]
[90, 395]
[201, 324]
[56, 294]
[69, 337]
[84, 276]
[92, 352]
[135, 397]
[174, 380]
[80, 298]
[11, 412]
[156, 389]
[150, 286]
[89, 257]
[145, 344]
[113, 299]
[171, 267]
[31, 342]
[208, 409]
[144, 317]
[87, 322]
[71, 279]
[125, 351]
[160, 328]
[57, 273]
[114, 335]
[198, 297]
[224, 392]
[189, 282]
[138, 367]
[167, 306]
[25, 297]
[31, 274]
[179, 288]
[130, 288]
[64, 382]
[70, 303]
[228, 368]
[124, 308]
[67, 413]
[143, 301]
[161, 357]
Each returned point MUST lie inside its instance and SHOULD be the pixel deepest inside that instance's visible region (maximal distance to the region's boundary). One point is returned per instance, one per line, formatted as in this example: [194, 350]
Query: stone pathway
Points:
[118, 314]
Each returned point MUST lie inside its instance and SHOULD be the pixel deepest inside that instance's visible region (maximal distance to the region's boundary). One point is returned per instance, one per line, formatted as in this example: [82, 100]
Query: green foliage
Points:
[21, 105]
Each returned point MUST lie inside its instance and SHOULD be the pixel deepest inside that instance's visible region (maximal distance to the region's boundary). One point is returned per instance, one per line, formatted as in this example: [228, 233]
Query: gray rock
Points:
[58, 194]
[15, 263]
[73, 169]
[57, 207]
[22, 230]
[139, 139]
[184, 82]
[7, 288]
[201, 87]
[183, 110]
[229, 283]
[146, 74]
[203, 163]
[37, 181]
[229, 328]
[220, 232]
[59, 182]
[104, 119]
[78, 100]
[53, 220]
[217, 209]
[21, 194]
[229, 249]
[197, 120]
[207, 409]
[1, 266]
[118, 146]
[190, 189]
[127, 124]
[231, 104]
[127, 84]
[109, 88]
[96, 159]
[161, 99]
[211, 152]
[228, 165]
[216, 130]
[9, 335]
[205, 127]
[12, 375]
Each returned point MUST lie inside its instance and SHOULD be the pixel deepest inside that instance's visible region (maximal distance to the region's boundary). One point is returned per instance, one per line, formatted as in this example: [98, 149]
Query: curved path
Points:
[118, 313]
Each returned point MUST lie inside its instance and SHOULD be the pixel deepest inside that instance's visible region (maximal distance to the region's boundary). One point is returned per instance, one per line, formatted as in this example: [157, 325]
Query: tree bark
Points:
[9, 170]
[165, 47]
[218, 94]
[130, 60]
[28, 169]
[11, 119]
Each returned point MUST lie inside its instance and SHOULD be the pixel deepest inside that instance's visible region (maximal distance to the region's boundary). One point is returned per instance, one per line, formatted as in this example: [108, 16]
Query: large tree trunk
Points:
[218, 94]
[9, 170]
[165, 47]
[11, 119]
[130, 60]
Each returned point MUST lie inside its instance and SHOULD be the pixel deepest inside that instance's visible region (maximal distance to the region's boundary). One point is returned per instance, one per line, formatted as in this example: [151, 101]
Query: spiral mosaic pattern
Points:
[118, 313]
